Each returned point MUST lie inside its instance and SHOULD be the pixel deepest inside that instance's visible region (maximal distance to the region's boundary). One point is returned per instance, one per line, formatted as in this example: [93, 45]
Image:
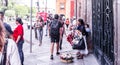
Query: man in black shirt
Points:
[55, 26]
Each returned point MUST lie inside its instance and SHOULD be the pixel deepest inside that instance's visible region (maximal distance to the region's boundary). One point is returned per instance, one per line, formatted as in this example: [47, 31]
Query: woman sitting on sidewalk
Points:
[81, 28]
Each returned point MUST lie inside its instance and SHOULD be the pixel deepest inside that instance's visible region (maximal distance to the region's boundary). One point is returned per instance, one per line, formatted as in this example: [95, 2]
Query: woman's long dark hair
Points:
[81, 21]
[19, 20]
[2, 33]
[41, 19]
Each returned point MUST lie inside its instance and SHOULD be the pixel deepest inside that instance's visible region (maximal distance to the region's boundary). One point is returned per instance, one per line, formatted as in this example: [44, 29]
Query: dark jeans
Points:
[35, 33]
[61, 41]
[20, 46]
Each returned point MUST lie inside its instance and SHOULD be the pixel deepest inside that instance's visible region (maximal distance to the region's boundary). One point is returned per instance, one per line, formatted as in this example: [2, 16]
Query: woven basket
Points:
[66, 61]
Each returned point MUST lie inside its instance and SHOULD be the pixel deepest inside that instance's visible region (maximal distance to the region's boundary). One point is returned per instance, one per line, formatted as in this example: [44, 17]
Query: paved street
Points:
[41, 54]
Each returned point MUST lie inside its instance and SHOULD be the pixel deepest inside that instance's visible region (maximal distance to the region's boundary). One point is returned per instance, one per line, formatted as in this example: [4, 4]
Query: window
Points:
[62, 6]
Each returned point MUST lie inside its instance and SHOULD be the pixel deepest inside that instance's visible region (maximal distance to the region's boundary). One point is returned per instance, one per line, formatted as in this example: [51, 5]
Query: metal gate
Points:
[102, 25]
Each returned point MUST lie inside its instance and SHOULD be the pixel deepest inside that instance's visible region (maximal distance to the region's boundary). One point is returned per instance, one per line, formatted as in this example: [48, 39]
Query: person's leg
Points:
[20, 46]
[35, 30]
[41, 35]
[46, 30]
[38, 34]
[61, 42]
[52, 47]
[57, 45]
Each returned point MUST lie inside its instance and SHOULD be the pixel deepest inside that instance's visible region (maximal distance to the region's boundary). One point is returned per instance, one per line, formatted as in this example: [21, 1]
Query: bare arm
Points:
[18, 39]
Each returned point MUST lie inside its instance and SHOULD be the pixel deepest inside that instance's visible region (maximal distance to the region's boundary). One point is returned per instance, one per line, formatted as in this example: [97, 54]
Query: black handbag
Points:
[80, 45]
[4, 54]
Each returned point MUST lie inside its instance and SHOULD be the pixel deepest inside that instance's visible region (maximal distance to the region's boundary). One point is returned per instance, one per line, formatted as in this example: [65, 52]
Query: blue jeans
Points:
[20, 46]
[40, 35]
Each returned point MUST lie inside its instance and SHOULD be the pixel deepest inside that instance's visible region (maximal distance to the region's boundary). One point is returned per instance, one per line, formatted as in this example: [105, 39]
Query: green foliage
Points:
[21, 10]
[10, 13]
[3, 8]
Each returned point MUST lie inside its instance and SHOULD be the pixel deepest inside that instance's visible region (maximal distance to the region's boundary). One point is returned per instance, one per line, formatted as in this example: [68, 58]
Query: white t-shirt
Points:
[74, 22]
[12, 54]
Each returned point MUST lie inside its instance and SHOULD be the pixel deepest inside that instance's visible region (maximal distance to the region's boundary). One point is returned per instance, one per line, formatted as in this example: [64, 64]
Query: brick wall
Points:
[59, 4]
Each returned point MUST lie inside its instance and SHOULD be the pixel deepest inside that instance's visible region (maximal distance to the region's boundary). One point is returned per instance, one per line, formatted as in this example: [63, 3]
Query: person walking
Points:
[8, 49]
[62, 31]
[55, 26]
[18, 37]
[39, 28]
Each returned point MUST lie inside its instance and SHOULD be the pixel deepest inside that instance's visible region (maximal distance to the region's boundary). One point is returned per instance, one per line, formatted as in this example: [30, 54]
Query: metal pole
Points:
[86, 11]
[38, 5]
[31, 28]
[46, 6]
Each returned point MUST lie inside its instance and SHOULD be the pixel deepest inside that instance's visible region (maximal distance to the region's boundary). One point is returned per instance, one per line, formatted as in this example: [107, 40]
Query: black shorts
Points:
[55, 39]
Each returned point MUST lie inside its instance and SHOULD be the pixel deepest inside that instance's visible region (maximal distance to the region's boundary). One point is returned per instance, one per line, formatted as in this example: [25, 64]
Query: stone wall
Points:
[118, 21]
[84, 11]
[89, 13]
[116, 6]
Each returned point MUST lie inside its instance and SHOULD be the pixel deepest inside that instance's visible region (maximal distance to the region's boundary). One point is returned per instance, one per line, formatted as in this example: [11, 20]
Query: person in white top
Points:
[12, 56]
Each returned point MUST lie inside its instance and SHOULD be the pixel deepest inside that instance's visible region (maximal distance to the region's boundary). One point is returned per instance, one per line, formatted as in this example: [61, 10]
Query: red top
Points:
[18, 31]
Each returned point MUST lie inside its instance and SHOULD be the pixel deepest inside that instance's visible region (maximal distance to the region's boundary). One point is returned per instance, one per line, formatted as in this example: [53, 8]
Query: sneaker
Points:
[51, 57]
[80, 57]
[57, 53]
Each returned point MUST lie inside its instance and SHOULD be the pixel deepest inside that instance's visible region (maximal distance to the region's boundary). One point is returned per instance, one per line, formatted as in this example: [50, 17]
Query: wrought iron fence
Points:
[103, 33]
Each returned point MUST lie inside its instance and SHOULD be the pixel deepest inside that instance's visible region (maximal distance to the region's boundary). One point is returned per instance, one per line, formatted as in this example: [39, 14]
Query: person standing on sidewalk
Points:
[18, 38]
[39, 28]
[55, 34]
[62, 31]
[8, 49]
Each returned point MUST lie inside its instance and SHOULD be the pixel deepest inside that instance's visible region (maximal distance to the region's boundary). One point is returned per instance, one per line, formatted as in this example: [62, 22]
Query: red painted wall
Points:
[71, 8]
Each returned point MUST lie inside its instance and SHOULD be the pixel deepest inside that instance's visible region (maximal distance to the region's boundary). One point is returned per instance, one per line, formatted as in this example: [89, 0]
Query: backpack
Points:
[54, 28]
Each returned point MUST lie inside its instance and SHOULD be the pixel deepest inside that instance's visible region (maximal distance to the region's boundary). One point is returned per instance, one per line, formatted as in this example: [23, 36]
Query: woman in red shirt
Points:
[18, 37]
